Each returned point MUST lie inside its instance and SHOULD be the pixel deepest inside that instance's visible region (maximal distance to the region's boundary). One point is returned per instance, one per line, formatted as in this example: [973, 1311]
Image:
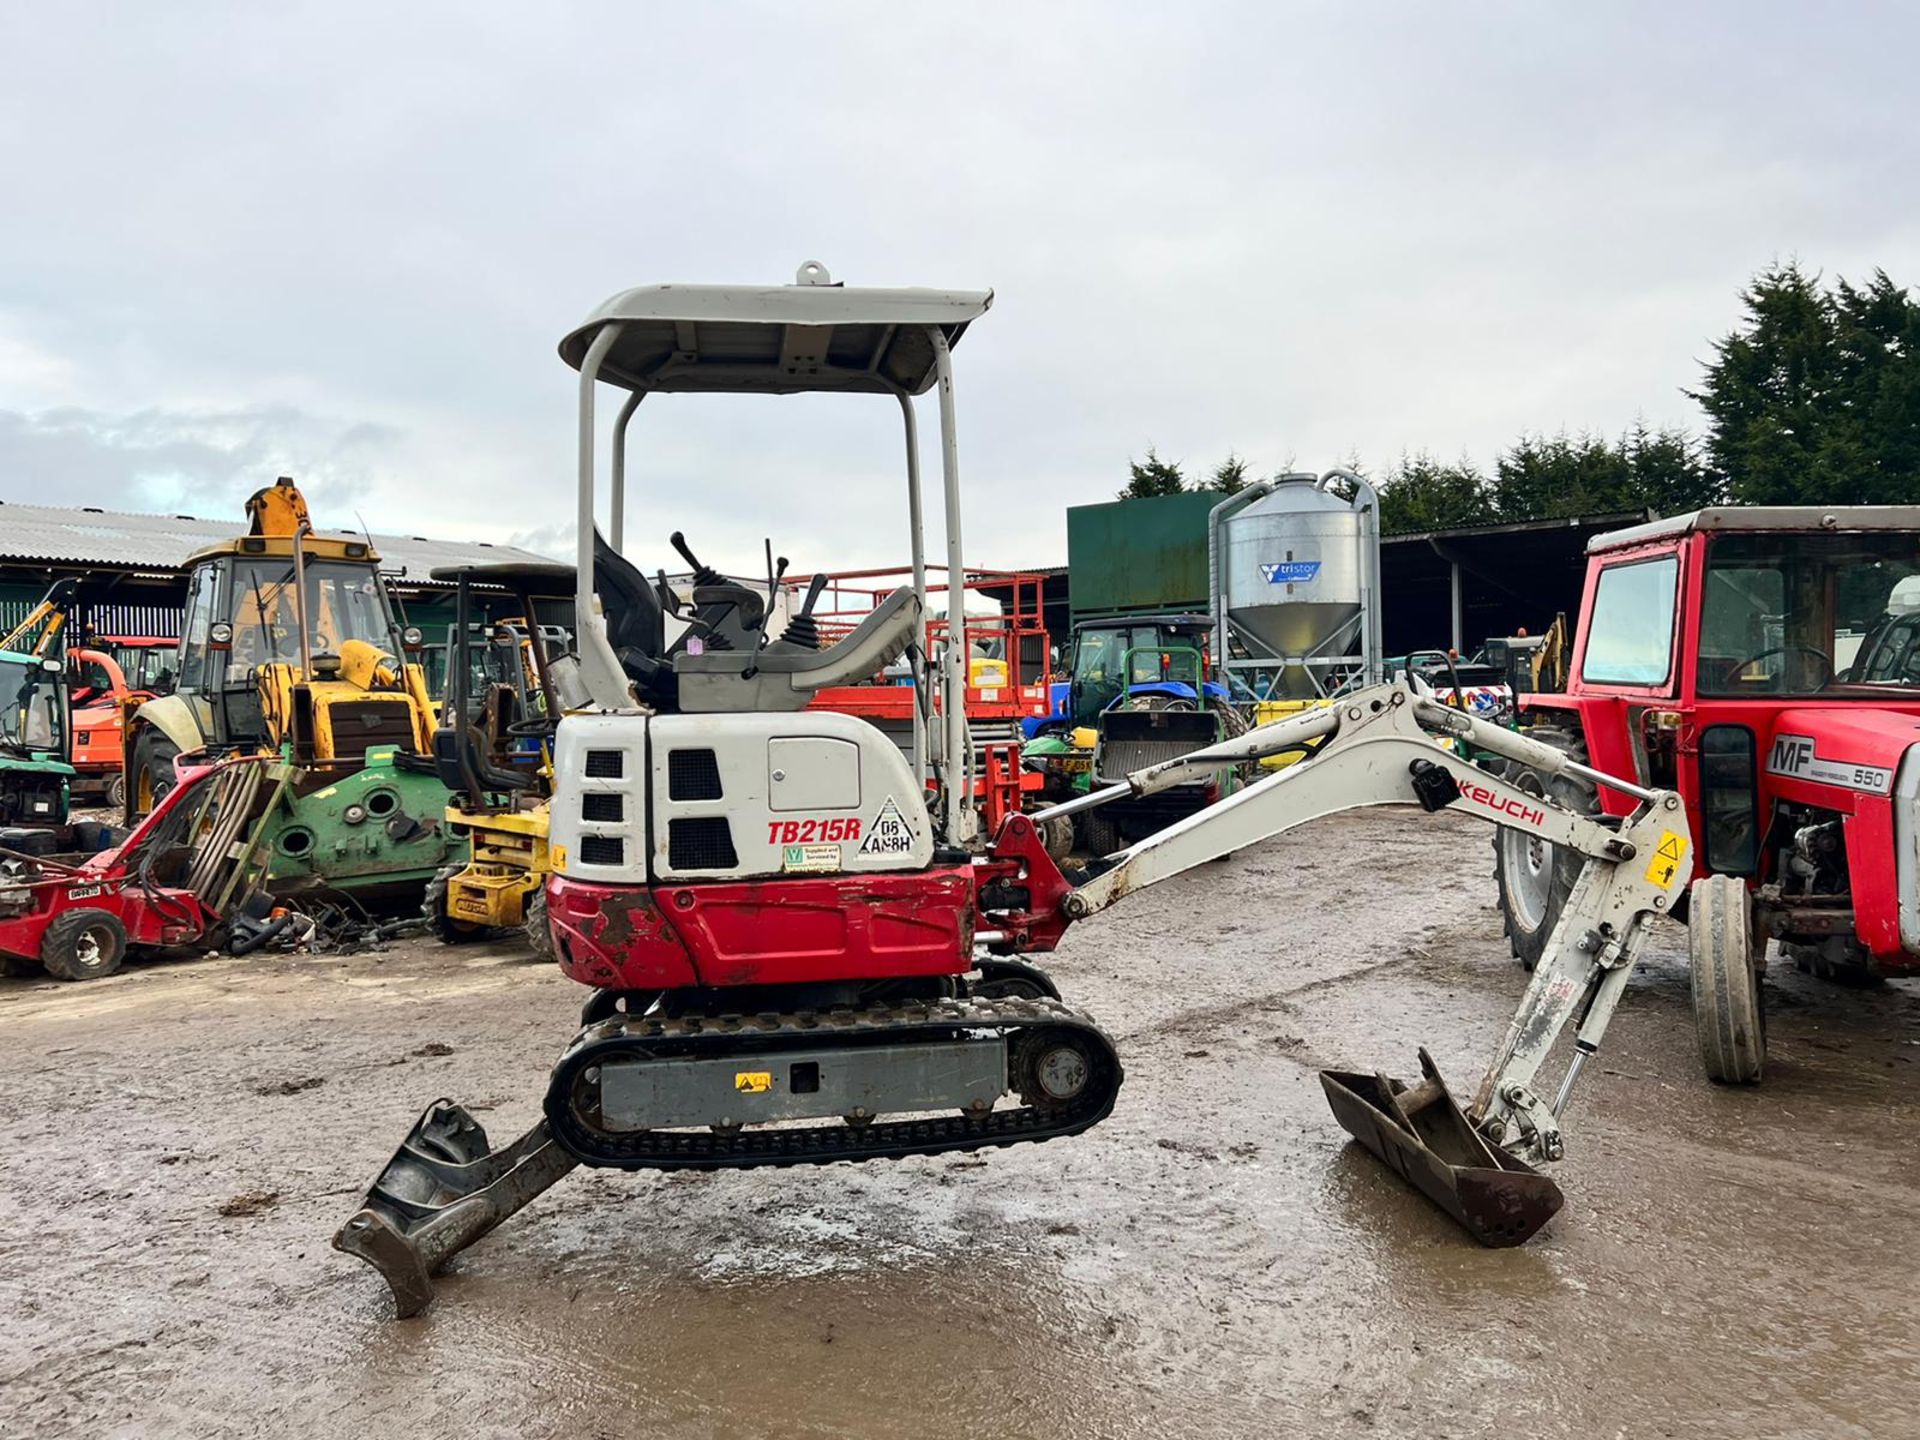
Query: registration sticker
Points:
[1668, 856]
[889, 833]
[752, 1082]
[810, 859]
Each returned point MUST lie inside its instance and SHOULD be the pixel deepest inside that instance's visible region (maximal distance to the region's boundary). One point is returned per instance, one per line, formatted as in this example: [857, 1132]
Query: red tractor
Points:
[1764, 663]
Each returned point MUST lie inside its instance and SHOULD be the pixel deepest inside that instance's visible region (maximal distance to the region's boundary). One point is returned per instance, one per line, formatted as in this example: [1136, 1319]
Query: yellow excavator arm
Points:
[279, 509]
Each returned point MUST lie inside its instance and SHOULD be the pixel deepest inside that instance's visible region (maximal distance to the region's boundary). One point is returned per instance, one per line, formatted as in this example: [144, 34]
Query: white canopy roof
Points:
[776, 339]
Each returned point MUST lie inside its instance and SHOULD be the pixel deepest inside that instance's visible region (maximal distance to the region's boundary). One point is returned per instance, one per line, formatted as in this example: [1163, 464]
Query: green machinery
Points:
[35, 776]
[289, 646]
[1139, 695]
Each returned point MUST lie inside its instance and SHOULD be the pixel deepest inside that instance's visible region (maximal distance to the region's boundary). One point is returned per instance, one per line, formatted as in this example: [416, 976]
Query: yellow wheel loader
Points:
[494, 751]
[289, 645]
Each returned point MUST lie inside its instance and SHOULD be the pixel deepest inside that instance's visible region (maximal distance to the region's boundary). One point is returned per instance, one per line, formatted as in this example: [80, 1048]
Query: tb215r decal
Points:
[808, 832]
[1795, 755]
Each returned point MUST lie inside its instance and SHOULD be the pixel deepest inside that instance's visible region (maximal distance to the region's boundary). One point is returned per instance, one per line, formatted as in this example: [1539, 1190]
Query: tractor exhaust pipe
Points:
[443, 1189]
[1423, 1136]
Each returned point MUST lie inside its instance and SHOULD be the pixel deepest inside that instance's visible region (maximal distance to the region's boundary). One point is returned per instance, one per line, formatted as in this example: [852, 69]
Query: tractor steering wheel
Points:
[1818, 654]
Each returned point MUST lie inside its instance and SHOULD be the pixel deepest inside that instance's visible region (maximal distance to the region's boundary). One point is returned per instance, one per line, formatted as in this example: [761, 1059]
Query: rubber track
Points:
[699, 1037]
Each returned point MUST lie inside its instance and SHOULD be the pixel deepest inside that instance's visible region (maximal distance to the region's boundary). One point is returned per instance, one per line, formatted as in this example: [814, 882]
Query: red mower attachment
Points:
[184, 877]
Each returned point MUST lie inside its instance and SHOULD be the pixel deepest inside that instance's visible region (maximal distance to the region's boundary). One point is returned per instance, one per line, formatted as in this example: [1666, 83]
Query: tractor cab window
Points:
[1630, 633]
[147, 667]
[31, 714]
[1806, 614]
[1097, 668]
[1108, 662]
[195, 625]
[343, 602]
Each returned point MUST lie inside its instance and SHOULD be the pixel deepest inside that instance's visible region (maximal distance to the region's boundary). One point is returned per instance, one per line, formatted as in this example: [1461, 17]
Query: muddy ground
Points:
[180, 1141]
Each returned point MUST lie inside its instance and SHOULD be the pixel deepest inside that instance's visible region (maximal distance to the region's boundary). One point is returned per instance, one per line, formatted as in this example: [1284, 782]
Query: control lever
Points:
[774, 576]
[669, 599]
[702, 574]
[801, 630]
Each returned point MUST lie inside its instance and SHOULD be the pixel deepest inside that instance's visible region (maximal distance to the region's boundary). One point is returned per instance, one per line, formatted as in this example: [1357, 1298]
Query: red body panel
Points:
[1616, 720]
[810, 929]
[764, 932]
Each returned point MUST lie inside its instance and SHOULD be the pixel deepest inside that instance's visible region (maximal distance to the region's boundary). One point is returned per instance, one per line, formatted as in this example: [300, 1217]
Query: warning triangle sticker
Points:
[889, 834]
[1669, 847]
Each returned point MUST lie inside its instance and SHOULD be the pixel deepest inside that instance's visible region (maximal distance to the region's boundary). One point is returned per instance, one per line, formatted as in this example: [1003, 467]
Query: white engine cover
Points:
[732, 796]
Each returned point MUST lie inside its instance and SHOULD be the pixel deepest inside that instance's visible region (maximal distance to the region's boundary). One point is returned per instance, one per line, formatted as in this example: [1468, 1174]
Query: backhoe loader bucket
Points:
[1421, 1133]
[443, 1189]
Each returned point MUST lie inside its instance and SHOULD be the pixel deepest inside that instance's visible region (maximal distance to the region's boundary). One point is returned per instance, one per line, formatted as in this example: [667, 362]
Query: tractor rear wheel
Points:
[539, 937]
[83, 944]
[1724, 947]
[1533, 876]
[152, 777]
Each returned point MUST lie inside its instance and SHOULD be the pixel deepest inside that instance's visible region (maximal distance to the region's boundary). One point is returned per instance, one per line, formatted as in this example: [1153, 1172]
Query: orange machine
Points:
[108, 678]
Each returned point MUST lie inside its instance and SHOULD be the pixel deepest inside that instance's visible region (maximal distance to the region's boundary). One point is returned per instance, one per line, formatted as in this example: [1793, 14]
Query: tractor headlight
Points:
[220, 635]
[411, 637]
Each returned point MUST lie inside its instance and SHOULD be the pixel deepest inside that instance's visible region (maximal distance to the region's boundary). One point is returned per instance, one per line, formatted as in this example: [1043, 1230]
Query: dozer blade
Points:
[1421, 1133]
[443, 1189]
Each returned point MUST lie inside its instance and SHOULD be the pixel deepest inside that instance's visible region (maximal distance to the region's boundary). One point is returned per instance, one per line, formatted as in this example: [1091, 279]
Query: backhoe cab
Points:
[1765, 664]
[289, 645]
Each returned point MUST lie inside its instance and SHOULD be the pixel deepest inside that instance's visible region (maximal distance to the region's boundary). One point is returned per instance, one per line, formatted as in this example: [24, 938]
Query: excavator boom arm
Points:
[1379, 747]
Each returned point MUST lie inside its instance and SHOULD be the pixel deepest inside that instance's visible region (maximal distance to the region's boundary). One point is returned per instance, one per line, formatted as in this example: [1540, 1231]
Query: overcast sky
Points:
[342, 241]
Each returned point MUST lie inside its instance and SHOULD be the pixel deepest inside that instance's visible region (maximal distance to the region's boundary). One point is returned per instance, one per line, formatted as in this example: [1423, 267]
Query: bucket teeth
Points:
[1420, 1133]
[443, 1189]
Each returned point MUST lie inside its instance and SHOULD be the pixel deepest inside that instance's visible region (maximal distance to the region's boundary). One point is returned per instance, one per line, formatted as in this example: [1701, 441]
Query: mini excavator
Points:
[797, 954]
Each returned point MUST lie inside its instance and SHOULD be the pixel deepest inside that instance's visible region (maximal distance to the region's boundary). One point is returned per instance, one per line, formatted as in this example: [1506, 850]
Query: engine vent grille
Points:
[602, 850]
[358, 725]
[606, 764]
[701, 843]
[605, 807]
[1121, 758]
[692, 775]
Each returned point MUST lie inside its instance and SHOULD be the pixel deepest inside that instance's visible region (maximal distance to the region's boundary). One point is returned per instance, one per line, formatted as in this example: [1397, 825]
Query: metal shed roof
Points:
[123, 540]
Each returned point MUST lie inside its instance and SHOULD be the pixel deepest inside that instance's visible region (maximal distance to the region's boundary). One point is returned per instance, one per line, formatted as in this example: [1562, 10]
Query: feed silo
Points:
[1294, 564]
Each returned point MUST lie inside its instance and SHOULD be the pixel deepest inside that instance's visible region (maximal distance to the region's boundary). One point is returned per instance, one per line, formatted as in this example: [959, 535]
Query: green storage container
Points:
[1135, 556]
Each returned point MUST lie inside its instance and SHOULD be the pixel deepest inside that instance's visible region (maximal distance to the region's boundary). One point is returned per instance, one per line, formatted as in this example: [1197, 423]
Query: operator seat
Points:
[784, 675]
[636, 624]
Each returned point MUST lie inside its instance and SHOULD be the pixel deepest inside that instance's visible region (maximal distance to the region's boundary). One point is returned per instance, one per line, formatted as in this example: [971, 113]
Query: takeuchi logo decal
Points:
[1503, 804]
[1291, 572]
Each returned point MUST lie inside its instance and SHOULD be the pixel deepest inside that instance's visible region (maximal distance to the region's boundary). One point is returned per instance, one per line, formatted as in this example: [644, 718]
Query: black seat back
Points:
[636, 623]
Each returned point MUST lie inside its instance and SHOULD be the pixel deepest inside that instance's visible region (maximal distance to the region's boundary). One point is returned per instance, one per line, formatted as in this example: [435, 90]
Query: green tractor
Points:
[36, 775]
[1139, 694]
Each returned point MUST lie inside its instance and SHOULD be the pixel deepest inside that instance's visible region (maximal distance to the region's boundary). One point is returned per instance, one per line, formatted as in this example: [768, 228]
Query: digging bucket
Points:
[1422, 1135]
[443, 1189]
